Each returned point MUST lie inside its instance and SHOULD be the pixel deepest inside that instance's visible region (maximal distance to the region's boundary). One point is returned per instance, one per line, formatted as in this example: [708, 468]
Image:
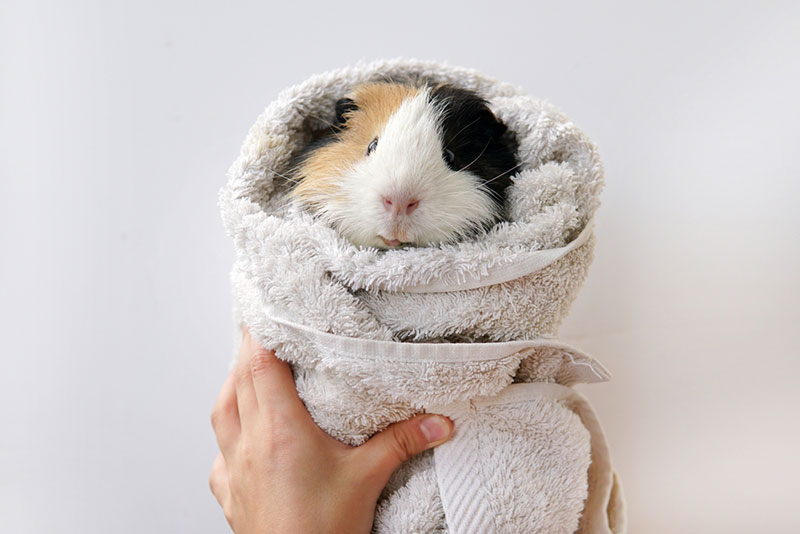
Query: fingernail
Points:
[435, 428]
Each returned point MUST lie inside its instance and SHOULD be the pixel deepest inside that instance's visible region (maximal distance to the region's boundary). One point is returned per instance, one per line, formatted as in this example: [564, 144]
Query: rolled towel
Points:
[465, 329]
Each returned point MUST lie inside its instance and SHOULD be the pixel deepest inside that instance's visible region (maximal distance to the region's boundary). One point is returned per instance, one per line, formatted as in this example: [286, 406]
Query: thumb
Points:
[385, 451]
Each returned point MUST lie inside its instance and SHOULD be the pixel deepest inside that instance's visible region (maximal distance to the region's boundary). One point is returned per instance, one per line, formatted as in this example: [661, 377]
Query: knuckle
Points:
[247, 456]
[221, 412]
[216, 475]
[280, 439]
[262, 361]
[274, 444]
[402, 444]
[216, 418]
[212, 482]
[241, 374]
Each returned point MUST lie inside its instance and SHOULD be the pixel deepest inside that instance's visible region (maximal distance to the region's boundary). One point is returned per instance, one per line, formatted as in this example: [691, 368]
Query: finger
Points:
[274, 386]
[385, 451]
[273, 383]
[243, 380]
[246, 402]
[225, 416]
[249, 345]
[218, 481]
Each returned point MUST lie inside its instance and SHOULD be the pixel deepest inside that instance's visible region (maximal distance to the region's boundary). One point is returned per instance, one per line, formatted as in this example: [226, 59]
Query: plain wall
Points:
[118, 121]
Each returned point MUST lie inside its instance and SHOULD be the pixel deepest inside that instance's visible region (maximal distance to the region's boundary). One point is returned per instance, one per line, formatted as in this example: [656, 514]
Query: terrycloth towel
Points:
[466, 330]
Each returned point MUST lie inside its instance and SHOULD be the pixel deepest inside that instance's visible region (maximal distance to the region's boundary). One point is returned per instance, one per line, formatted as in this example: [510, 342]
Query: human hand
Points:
[279, 472]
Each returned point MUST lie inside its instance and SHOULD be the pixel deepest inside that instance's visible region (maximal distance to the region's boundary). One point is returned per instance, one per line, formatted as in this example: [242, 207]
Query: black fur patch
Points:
[480, 143]
[343, 106]
[327, 136]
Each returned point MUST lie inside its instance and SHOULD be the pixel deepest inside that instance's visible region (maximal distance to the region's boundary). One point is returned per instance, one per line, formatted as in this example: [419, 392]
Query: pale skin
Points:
[278, 472]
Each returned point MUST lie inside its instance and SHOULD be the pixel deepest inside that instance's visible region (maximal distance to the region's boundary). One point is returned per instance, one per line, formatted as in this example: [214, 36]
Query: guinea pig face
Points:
[410, 167]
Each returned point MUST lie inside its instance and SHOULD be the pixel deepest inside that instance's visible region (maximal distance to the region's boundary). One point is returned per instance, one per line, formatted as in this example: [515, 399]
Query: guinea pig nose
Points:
[399, 206]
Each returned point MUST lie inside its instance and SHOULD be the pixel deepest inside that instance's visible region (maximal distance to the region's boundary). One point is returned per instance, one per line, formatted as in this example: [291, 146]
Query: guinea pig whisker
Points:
[387, 78]
[502, 174]
[452, 139]
[285, 177]
[473, 161]
[489, 192]
[320, 119]
[470, 163]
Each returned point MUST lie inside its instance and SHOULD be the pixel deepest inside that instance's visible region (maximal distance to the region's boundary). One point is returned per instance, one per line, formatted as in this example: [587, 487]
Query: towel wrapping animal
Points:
[465, 329]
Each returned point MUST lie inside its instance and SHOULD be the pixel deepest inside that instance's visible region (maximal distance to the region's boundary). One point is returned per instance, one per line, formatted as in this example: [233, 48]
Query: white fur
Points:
[408, 163]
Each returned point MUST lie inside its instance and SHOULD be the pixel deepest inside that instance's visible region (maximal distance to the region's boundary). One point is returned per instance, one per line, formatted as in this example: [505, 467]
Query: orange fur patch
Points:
[320, 172]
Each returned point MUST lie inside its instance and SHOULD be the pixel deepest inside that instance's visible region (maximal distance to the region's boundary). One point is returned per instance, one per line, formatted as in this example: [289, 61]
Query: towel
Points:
[467, 329]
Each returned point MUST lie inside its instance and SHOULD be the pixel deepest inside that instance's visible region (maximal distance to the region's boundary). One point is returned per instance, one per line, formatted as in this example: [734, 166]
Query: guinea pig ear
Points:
[343, 107]
[488, 123]
[498, 128]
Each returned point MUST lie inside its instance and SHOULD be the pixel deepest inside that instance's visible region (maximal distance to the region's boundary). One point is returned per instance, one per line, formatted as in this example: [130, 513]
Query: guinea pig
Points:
[407, 165]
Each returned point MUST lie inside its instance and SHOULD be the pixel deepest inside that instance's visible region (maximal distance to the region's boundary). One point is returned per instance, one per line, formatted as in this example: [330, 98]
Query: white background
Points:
[118, 122]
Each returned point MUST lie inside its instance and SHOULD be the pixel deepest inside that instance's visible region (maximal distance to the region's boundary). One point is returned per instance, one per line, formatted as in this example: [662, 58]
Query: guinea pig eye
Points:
[448, 155]
[372, 146]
